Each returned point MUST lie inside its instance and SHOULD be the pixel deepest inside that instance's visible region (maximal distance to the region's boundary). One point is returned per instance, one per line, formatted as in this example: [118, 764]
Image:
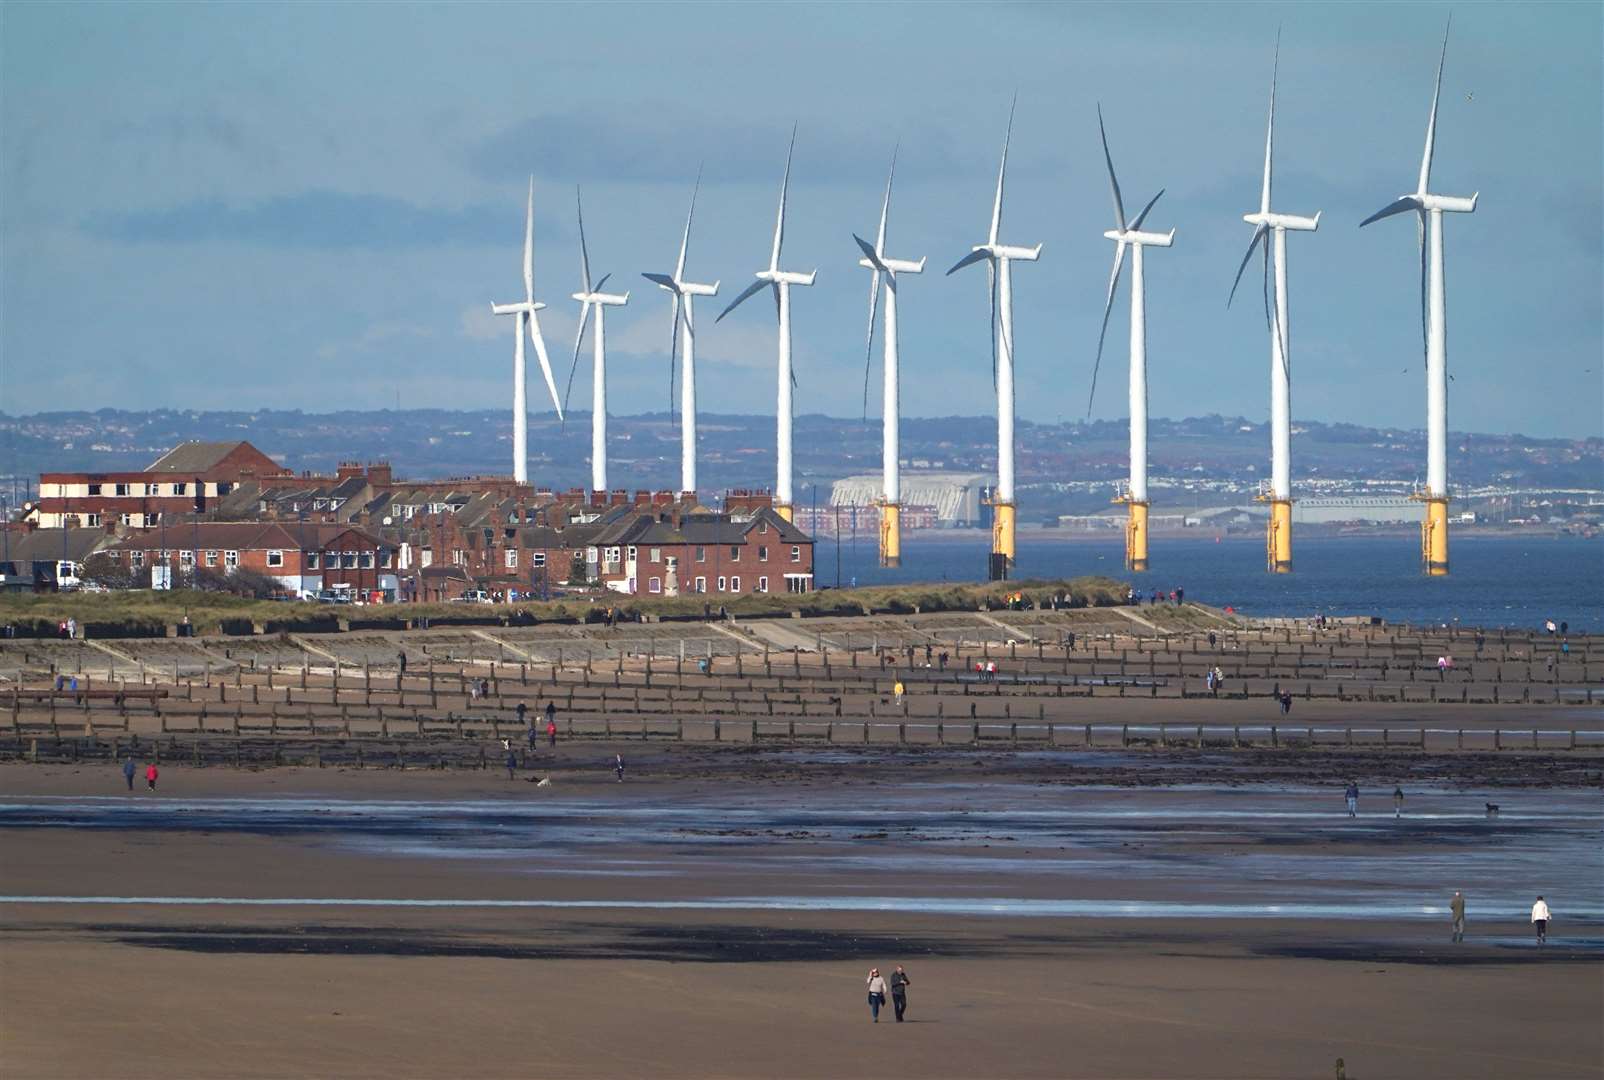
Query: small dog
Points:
[1492, 809]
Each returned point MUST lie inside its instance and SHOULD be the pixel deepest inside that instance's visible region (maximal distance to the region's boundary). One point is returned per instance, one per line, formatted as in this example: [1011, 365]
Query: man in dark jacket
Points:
[128, 772]
[899, 991]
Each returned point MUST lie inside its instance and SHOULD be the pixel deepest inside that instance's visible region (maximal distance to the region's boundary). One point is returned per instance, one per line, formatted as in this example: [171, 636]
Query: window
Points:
[120, 489]
[180, 489]
[94, 489]
[654, 585]
[91, 519]
[538, 558]
[512, 558]
[701, 584]
[125, 519]
[721, 584]
[384, 558]
[311, 560]
[632, 553]
[701, 553]
[657, 554]
[224, 488]
[762, 526]
[735, 553]
[231, 560]
[348, 560]
[211, 558]
[136, 558]
[672, 564]
[762, 553]
[796, 554]
[458, 557]
[366, 560]
[735, 584]
[275, 558]
[796, 583]
[186, 558]
[426, 557]
[762, 584]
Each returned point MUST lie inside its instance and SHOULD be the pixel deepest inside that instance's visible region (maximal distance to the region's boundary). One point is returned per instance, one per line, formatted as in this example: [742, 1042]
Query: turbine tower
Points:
[1434, 328]
[526, 309]
[591, 297]
[1270, 227]
[1131, 236]
[780, 281]
[999, 258]
[682, 335]
[882, 266]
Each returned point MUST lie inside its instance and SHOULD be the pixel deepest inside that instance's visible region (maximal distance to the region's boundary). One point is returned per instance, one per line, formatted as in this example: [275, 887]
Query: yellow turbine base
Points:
[784, 510]
[890, 534]
[1002, 530]
[1434, 537]
[1136, 536]
[1278, 540]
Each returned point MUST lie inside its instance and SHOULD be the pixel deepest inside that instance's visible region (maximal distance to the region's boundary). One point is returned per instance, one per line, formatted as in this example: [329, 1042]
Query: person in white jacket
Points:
[1540, 917]
[877, 993]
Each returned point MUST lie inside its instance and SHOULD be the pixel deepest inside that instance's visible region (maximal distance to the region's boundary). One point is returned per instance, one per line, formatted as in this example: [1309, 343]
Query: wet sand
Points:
[626, 988]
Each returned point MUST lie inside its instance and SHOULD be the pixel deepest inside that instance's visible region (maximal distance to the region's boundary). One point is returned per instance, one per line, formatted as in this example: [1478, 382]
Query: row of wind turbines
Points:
[1129, 235]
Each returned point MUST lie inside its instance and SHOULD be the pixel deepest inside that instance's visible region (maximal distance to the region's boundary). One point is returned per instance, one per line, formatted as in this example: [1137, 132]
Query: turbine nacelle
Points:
[692, 288]
[1008, 251]
[786, 277]
[1137, 236]
[1453, 204]
[895, 266]
[601, 298]
[514, 309]
[1284, 221]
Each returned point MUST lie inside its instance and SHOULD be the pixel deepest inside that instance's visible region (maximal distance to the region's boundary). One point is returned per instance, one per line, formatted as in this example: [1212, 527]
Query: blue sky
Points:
[313, 206]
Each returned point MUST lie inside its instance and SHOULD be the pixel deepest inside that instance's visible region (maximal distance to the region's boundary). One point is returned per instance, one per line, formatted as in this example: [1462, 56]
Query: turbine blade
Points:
[1137, 224]
[1002, 170]
[1260, 235]
[1273, 311]
[874, 309]
[664, 280]
[968, 260]
[529, 245]
[1398, 206]
[745, 294]
[885, 207]
[1269, 134]
[779, 222]
[1431, 122]
[584, 253]
[579, 340]
[545, 362]
[685, 241]
[991, 295]
[602, 282]
[673, 355]
[1113, 181]
[1108, 307]
[870, 253]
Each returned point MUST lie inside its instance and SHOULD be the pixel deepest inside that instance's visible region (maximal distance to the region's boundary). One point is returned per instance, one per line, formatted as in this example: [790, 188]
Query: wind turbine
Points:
[1131, 236]
[1272, 227]
[526, 309]
[1434, 329]
[999, 283]
[591, 297]
[882, 266]
[780, 281]
[682, 334]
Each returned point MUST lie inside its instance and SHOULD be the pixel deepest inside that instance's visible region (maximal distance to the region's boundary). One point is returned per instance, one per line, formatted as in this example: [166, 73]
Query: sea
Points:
[1496, 581]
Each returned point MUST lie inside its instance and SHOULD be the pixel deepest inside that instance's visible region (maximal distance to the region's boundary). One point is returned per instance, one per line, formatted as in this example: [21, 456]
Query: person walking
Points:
[1397, 802]
[551, 731]
[401, 662]
[896, 692]
[1352, 797]
[899, 991]
[618, 766]
[877, 993]
[1456, 907]
[512, 764]
[128, 772]
[1540, 917]
[1286, 702]
[523, 713]
[151, 772]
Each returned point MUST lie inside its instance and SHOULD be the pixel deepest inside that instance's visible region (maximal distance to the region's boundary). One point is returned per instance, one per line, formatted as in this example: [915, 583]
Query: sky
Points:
[313, 206]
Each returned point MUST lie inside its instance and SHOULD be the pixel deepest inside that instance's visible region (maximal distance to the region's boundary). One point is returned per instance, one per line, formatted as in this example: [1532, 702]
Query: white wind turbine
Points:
[682, 334]
[999, 257]
[591, 297]
[1434, 329]
[1270, 227]
[880, 265]
[526, 309]
[1131, 236]
[780, 281]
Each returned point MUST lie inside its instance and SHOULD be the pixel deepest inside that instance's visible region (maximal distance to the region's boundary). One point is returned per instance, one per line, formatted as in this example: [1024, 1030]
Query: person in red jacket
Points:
[150, 776]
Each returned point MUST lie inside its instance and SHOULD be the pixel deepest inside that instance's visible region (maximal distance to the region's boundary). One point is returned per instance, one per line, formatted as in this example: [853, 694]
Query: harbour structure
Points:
[780, 281]
[999, 259]
[882, 266]
[1270, 231]
[1429, 209]
[1131, 236]
[591, 298]
[682, 336]
[526, 310]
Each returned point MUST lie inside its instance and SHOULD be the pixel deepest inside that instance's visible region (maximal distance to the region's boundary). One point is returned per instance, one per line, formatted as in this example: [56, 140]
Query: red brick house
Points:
[189, 479]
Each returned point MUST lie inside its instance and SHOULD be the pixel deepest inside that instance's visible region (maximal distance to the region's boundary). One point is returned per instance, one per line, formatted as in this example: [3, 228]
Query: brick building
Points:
[189, 479]
[303, 558]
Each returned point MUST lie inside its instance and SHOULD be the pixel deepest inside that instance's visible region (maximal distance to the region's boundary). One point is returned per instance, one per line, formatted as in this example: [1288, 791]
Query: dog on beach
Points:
[1492, 809]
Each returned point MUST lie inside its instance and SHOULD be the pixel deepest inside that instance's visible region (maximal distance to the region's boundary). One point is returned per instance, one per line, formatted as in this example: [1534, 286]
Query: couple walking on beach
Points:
[898, 986]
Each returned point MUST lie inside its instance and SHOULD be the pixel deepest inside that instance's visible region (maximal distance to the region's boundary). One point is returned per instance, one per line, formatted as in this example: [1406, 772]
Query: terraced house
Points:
[303, 558]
